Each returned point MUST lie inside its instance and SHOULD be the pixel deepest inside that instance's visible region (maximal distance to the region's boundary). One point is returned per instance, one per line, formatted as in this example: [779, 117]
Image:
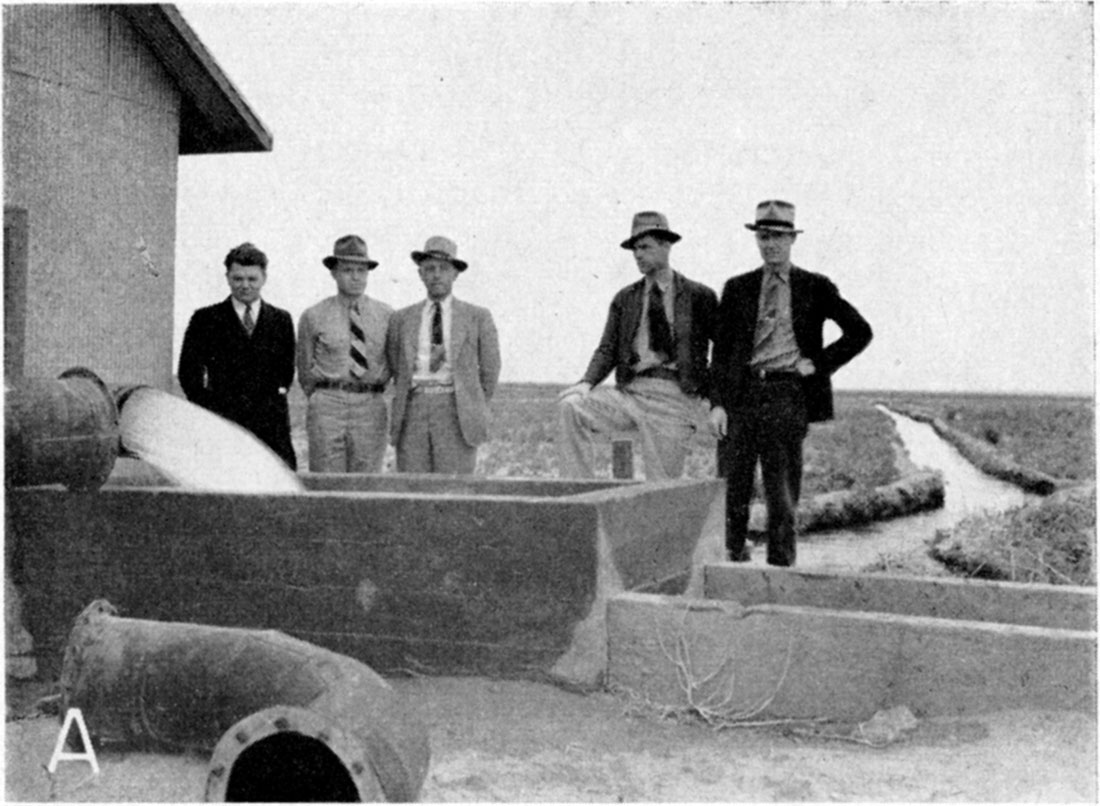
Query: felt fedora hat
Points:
[351, 248]
[649, 222]
[439, 247]
[774, 216]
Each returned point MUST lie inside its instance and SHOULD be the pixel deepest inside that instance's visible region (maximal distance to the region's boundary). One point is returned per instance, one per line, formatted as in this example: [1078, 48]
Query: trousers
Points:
[431, 439]
[348, 431]
[770, 428]
[656, 410]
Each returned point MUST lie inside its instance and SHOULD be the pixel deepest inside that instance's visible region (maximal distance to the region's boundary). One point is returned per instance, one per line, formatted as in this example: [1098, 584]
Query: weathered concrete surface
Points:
[840, 665]
[459, 581]
[1057, 606]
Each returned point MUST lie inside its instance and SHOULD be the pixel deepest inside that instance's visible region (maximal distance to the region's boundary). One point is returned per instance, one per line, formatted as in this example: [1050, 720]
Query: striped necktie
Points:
[247, 320]
[358, 349]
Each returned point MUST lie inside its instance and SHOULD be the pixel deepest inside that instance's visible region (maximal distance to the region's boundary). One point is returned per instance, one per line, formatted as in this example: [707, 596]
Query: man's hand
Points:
[805, 367]
[582, 388]
[719, 422]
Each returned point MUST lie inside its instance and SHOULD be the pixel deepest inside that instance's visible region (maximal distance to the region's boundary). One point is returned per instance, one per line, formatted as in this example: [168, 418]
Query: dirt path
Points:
[516, 741]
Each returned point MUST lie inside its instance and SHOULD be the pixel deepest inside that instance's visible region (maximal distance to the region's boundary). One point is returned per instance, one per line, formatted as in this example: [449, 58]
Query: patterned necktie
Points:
[769, 308]
[358, 348]
[439, 352]
[660, 334]
[247, 320]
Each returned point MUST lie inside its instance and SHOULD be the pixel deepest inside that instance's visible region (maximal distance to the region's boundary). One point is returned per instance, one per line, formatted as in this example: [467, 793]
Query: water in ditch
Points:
[194, 448]
[967, 491]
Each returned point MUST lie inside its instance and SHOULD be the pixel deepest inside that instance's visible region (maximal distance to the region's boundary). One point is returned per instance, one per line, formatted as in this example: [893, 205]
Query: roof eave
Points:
[214, 117]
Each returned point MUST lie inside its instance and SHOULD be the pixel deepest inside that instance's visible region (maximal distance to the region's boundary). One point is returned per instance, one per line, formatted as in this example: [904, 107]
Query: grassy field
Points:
[1055, 435]
[855, 450]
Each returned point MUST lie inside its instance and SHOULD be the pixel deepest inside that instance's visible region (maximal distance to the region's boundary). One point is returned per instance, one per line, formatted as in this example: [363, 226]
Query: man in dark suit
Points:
[656, 339]
[237, 358]
[445, 360]
[771, 378]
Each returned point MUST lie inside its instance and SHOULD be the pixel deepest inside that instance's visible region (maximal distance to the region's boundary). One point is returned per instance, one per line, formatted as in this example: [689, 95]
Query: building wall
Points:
[91, 134]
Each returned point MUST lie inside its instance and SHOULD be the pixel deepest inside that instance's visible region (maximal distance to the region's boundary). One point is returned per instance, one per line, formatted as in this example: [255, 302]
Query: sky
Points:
[940, 157]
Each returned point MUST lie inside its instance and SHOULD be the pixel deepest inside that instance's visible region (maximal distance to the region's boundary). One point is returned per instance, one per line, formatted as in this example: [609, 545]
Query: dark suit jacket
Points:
[814, 299]
[693, 324]
[475, 365]
[238, 377]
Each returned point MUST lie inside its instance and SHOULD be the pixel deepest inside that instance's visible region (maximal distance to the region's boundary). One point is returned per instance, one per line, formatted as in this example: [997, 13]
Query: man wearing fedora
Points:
[446, 362]
[771, 375]
[342, 367]
[237, 357]
[656, 339]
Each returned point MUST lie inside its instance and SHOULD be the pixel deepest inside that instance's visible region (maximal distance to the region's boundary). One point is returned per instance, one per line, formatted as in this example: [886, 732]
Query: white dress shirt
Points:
[422, 373]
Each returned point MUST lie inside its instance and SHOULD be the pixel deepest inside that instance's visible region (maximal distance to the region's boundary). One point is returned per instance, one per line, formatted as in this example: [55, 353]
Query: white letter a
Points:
[73, 714]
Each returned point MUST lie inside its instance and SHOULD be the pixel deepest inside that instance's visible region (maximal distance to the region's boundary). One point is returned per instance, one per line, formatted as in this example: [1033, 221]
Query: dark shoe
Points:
[742, 556]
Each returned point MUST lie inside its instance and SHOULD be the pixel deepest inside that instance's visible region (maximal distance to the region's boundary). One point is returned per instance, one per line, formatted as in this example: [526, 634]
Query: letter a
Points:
[73, 715]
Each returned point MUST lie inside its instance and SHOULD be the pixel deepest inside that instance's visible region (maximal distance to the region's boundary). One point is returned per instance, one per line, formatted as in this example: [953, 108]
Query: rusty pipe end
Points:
[62, 431]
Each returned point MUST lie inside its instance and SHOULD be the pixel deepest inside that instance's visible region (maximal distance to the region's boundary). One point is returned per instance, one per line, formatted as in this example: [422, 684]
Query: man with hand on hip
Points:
[446, 363]
[771, 376]
[656, 339]
[342, 367]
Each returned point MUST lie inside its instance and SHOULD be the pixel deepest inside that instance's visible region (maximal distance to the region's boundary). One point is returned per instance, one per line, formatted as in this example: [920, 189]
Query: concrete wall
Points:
[1067, 607]
[494, 584]
[91, 134]
[805, 662]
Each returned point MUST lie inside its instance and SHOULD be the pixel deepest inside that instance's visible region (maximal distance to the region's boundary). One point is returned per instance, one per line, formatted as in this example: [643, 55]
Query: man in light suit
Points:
[445, 360]
[771, 372]
[237, 358]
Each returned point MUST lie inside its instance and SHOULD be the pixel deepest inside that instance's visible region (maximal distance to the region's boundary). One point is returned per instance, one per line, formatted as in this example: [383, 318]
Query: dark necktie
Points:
[439, 352]
[247, 320]
[769, 308]
[358, 343]
[660, 334]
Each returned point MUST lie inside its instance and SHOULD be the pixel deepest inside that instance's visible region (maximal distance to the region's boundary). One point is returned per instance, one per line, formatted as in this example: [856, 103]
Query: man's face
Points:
[350, 277]
[245, 282]
[438, 276]
[651, 254]
[775, 247]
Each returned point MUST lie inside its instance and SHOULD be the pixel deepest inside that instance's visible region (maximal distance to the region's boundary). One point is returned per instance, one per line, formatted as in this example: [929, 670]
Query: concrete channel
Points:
[821, 641]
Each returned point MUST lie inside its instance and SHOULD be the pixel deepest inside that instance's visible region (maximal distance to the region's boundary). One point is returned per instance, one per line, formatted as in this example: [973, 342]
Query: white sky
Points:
[940, 157]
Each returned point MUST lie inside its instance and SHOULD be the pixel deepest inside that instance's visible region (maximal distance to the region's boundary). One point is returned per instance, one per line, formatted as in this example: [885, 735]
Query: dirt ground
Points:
[519, 741]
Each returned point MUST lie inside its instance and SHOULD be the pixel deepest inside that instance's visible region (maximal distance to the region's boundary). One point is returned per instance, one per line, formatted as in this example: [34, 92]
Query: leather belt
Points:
[664, 373]
[351, 386]
[434, 389]
[767, 375]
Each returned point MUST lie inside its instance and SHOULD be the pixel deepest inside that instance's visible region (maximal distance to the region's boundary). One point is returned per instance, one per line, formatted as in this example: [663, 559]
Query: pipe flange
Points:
[282, 719]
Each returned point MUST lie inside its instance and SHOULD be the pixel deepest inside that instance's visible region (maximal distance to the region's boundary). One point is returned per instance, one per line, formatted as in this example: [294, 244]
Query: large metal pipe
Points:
[286, 720]
[62, 431]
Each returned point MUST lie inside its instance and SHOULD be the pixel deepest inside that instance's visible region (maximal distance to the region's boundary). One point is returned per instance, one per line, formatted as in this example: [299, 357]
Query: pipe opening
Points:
[289, 767]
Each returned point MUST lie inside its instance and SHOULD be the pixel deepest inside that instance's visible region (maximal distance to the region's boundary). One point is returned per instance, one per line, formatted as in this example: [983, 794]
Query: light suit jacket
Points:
[475, 365]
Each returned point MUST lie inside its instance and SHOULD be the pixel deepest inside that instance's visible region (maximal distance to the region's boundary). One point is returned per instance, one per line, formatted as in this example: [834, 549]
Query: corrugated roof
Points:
[214, 116]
